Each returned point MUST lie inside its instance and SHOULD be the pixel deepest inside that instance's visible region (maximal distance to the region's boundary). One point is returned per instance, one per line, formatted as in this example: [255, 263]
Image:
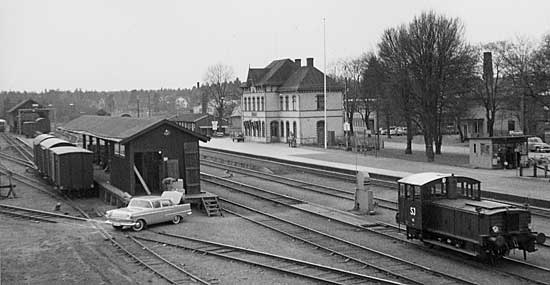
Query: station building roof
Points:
[120, 129]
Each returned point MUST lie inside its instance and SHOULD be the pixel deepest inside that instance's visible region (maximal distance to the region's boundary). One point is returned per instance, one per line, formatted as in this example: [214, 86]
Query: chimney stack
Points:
[298, 62]
[204, 100]
[309, 61]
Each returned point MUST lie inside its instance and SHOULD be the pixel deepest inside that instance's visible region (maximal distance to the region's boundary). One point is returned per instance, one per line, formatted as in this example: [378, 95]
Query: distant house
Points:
[199, 123]
[197, 109]
[475, 125]
[25, 111]
[286, 99]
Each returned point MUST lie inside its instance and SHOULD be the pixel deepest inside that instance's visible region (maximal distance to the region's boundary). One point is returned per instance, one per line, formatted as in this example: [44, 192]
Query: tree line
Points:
[70, 104]
[425, 75]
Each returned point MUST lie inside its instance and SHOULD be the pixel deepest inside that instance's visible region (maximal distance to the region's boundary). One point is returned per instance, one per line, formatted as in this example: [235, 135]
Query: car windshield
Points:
[139, 204]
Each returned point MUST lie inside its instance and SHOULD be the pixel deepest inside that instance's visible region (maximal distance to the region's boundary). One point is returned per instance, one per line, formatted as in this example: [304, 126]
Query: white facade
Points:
[278, 115]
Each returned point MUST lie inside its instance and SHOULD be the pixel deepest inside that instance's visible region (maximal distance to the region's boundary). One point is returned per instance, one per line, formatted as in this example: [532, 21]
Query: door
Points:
[412, 207]
[191, 167]
[321, 133]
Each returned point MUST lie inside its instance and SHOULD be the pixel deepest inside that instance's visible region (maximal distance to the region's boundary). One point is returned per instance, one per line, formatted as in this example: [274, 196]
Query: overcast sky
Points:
[114, 45]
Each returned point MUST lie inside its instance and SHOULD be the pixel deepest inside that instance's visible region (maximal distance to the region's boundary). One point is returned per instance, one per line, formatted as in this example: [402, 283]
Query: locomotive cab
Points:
[416, 193]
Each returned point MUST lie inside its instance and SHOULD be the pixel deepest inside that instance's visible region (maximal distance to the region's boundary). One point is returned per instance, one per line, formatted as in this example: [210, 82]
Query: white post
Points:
[325, 76]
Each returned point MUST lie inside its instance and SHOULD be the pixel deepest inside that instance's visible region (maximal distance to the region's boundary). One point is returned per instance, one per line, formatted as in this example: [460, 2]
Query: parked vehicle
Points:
[537, 145]
[218, 134]
[147, 210]
[238, 138]
[447, 211]
[401, 131]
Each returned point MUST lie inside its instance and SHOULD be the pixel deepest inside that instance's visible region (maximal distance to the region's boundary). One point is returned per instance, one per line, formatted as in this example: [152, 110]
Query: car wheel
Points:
[117, 227]
[140, 225]
[176, 219]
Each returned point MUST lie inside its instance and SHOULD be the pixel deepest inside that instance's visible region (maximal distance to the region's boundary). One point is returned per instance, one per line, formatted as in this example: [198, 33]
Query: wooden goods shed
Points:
[140, 153]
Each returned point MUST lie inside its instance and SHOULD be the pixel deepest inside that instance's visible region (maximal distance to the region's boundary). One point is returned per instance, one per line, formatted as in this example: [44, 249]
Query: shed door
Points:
[192, 167]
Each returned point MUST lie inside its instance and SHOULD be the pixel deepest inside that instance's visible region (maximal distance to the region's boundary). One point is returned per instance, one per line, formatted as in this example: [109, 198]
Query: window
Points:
[475, 147]
[293, 103]
[281, 103]
[120, 150]
[254, 104]
[156, 204]
[249, 106]
[511, 125]
[320, 102]
[286, 103]
[262, 104]
[166, 203]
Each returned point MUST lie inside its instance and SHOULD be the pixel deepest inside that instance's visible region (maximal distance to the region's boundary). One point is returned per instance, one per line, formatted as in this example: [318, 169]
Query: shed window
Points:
[120, 150]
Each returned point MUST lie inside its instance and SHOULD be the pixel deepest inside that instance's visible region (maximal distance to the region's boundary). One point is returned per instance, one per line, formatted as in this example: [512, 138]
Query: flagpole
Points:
[325, 75]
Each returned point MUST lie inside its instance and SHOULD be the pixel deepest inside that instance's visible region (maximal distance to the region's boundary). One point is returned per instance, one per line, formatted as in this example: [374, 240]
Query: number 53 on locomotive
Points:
[447, 210]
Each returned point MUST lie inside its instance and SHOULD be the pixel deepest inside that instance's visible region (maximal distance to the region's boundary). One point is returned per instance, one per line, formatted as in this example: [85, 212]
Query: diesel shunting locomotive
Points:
[447, 211]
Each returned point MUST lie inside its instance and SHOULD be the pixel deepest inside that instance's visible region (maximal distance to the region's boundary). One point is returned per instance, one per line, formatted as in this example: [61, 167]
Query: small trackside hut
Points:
[140, 154]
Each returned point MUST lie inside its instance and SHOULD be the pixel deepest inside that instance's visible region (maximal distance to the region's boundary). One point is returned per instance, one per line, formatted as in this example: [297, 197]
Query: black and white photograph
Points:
[274, 142]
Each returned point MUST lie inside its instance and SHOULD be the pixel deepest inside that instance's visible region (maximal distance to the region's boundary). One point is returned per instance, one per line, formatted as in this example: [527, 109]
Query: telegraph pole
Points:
[325, 76]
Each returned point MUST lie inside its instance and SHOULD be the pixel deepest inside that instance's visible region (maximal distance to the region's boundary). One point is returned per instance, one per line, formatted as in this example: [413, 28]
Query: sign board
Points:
[214, 125]
[346, 126]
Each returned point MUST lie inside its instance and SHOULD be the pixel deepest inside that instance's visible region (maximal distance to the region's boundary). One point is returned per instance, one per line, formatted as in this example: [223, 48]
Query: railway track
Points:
[387, 230]
[301, 184]
[20, 147]
[156, 264]
[332, 191]
[147, 257]
[385, 264]
[286, 265]
[38, 215]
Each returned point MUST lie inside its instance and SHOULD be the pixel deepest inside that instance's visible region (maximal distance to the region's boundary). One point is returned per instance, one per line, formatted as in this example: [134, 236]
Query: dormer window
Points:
[253, 89]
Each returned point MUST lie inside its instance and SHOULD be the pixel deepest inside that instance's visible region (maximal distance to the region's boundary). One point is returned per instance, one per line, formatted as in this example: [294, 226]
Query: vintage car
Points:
[148, 210]
[537, 145]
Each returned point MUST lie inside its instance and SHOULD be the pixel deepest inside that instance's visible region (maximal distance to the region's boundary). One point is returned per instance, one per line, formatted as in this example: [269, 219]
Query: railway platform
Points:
[504, 181]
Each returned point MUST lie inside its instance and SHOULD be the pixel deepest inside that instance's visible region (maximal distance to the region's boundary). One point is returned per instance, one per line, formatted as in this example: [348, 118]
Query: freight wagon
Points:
[72, 168]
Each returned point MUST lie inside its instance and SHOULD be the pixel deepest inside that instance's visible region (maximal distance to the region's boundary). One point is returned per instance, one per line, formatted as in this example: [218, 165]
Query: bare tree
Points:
[433, 47]
[218, 78]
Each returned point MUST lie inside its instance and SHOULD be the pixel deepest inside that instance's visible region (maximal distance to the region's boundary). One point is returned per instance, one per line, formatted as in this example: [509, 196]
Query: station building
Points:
[286, 99]
[140, 153]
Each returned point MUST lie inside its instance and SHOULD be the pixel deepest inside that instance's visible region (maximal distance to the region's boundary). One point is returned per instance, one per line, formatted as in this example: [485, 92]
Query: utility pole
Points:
[325, 76]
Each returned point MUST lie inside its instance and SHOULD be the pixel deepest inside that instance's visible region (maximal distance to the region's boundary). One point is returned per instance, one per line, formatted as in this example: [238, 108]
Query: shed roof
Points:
[120, 129]
[69, 149]
[188, 117]
[18, 105]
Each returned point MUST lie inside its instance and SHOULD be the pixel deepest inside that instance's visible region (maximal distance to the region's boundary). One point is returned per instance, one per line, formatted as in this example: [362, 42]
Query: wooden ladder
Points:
[211, 206]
